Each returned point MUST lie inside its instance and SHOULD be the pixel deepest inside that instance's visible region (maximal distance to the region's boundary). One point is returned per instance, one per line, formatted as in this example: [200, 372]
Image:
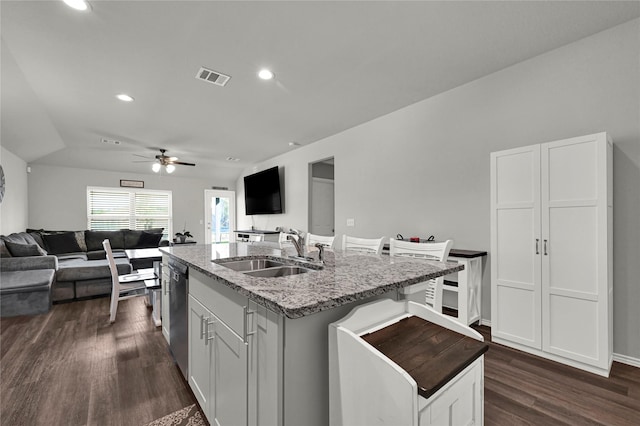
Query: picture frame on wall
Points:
[126, 183]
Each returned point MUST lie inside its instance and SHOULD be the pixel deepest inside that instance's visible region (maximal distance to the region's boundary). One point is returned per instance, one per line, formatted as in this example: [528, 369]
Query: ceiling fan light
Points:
[124, 97]
[77, 4]
[156, 167]
[266, 74]
[170, 168]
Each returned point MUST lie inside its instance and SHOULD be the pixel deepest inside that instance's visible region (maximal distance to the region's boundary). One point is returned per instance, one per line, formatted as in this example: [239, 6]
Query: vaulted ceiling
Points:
[336, 65]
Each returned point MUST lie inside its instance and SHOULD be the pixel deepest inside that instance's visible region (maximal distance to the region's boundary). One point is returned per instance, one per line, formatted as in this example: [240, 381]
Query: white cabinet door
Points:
[574, 233]
[516, 245]
[265, 389]
[165, 299]
[200, 352]
[229, 402]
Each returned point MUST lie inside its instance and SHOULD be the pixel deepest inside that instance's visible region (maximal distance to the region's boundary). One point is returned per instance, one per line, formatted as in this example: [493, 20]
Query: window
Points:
[111, 209]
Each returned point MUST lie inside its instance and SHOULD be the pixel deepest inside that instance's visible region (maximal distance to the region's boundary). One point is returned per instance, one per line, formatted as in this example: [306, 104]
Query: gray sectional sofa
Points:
[39, 267]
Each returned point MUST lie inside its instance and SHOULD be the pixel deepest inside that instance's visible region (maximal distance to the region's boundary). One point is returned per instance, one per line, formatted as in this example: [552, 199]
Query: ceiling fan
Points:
[168, 162]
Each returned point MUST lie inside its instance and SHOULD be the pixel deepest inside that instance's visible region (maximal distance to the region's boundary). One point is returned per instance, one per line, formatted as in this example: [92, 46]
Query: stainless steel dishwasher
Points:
[178, 307]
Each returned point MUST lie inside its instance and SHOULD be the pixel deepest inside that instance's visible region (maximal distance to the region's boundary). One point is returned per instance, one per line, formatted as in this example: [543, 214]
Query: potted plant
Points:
[182, 236]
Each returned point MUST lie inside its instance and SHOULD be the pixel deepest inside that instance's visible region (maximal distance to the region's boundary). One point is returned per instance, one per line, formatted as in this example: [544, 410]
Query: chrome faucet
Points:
[297, 244]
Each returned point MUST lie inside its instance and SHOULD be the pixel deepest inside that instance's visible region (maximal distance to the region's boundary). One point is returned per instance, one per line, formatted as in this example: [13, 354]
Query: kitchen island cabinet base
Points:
[286, 374]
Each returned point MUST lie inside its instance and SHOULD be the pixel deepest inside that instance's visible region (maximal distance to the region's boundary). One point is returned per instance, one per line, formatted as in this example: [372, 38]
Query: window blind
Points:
[111, 209]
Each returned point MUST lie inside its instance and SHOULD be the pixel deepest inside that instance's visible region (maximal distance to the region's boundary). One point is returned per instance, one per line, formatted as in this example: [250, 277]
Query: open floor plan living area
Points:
[319, 213]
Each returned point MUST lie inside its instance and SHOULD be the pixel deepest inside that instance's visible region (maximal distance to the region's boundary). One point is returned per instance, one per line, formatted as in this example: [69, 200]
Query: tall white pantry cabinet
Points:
[551, 250]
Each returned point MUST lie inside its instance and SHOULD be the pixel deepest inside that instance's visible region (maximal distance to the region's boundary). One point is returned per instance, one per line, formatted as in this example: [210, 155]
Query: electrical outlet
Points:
[351, 222]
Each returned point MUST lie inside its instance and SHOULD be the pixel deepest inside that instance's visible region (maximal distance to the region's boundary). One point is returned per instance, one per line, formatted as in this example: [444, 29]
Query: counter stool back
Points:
[428, 251]
[313, 239]
[362, 245]
[283, 241]
[123, 286]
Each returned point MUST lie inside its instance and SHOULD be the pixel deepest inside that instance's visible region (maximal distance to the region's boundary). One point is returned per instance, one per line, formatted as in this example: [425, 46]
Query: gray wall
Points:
[14, 207]
[58, 196]
[424, 169]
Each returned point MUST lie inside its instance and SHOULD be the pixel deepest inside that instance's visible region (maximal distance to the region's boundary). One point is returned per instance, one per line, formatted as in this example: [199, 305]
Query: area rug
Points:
[188, 416]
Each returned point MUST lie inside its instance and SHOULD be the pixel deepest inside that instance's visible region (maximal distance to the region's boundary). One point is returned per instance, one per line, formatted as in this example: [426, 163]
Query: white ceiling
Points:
[337, 65]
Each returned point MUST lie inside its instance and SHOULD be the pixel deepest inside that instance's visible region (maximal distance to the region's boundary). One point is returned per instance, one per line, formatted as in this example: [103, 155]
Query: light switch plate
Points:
[351, 222]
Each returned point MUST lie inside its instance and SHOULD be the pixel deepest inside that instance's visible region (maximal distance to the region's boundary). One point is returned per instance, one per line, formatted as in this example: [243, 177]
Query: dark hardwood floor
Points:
[523, 389]
[70, 367]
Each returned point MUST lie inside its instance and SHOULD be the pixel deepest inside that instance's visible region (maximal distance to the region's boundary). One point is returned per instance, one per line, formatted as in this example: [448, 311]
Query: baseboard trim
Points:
[625, 359]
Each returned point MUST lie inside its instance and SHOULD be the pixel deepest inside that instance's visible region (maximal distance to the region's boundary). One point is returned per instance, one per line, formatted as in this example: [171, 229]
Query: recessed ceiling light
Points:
[232, 159]
[266, 74]
[77, 4]
[124, 97]
[294, 144]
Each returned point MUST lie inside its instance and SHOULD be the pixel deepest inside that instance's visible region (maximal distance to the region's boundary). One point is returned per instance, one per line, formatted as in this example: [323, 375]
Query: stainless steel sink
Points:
[280, 271]
[250, 264]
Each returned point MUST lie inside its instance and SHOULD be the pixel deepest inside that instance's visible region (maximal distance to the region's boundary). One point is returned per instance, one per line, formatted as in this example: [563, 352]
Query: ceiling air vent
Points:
[211, 76]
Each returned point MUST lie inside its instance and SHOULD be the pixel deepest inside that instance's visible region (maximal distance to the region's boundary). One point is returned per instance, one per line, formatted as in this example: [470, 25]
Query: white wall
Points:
[58, 196]
[424, 169]
[14, 207]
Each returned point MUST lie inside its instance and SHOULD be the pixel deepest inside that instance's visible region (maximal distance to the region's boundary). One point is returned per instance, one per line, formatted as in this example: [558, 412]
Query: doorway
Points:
[322, 198]
[220, 216]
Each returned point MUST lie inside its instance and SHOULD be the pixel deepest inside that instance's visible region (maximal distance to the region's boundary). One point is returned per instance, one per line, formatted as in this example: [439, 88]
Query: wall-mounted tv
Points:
[262, 192]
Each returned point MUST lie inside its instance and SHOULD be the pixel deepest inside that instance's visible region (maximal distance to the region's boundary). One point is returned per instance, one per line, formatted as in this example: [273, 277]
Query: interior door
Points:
[220, 216]
[322, 207]
[516, 246]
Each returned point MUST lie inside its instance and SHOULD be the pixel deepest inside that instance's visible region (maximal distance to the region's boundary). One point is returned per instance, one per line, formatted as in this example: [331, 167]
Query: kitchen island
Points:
[258, 346]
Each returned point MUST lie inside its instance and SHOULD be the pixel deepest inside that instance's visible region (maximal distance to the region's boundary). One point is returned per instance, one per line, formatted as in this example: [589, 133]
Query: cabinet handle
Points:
[537, 243]
[208, 336]
[247, 333]
[202, 321]
[545, 248]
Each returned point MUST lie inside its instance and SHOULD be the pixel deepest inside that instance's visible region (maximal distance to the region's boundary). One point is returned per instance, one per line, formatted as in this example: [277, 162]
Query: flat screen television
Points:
[262, 192]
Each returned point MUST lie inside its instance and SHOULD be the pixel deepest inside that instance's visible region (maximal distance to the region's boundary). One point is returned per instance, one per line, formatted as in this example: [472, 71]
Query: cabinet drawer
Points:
[227, 304]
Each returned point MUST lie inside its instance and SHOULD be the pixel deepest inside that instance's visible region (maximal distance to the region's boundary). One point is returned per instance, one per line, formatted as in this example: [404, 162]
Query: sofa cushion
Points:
[22, 250]
[101, 254]
[78, 269]
[28, 262]
[26, 281]
[94, 239]
[61, 243]
[77, 255]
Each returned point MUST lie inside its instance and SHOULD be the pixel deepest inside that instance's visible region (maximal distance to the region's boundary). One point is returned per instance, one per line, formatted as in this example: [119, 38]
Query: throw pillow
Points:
[4, 251]
[65, 242]
[94, 239]
[22, 250]
[131, 238]
[149, 240]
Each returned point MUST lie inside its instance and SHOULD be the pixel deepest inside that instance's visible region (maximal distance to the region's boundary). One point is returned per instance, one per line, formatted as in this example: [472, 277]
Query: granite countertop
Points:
[346, 277]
